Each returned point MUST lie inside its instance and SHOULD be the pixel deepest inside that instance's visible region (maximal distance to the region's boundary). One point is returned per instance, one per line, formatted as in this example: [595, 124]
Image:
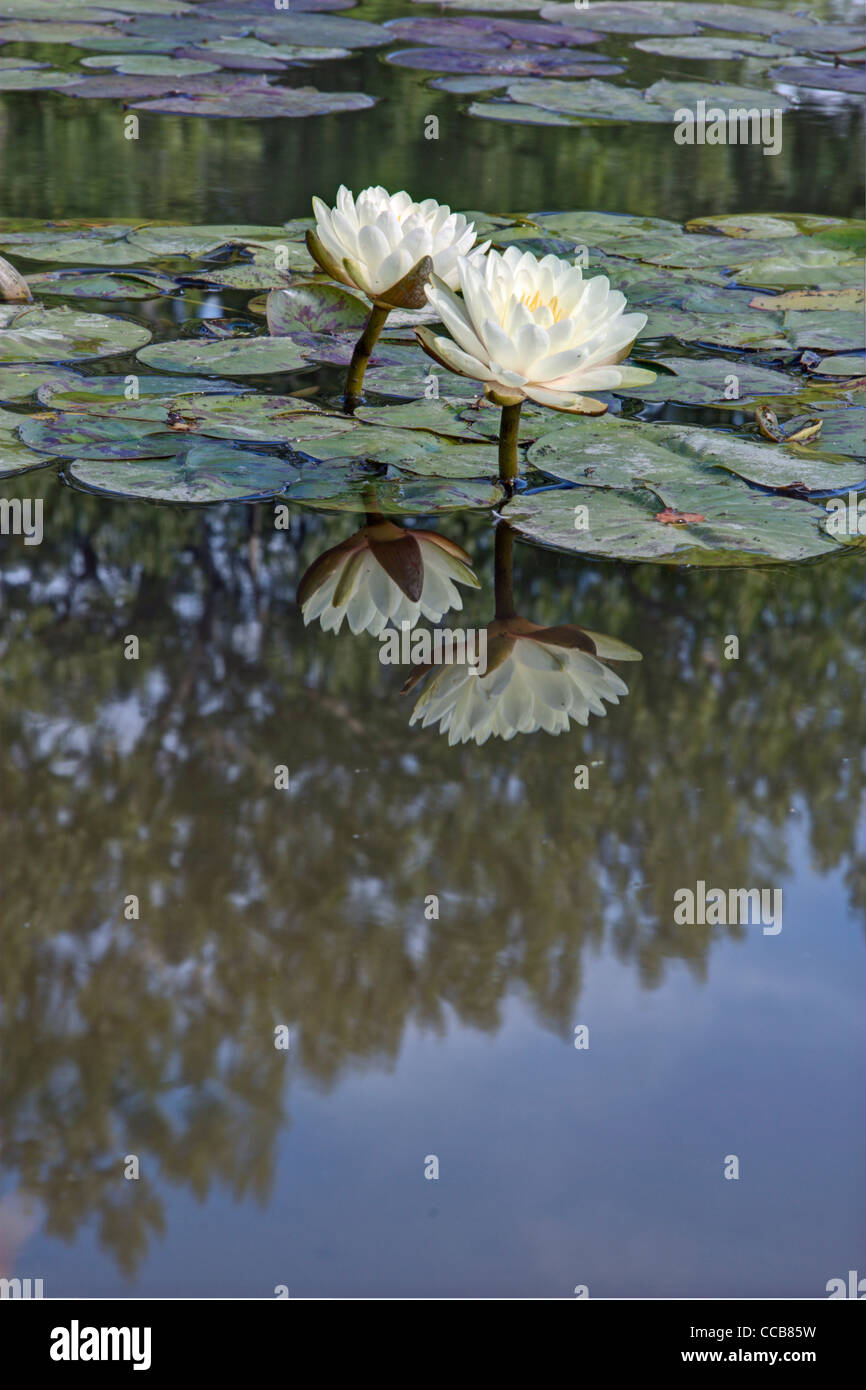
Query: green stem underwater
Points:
[363, 349]
[509, 429]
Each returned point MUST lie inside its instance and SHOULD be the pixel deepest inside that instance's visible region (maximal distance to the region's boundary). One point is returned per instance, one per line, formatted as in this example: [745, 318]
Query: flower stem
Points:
[509, 429]
[363, 349]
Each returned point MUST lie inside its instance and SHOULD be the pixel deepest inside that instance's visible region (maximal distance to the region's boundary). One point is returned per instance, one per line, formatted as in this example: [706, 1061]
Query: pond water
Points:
[413, 1036]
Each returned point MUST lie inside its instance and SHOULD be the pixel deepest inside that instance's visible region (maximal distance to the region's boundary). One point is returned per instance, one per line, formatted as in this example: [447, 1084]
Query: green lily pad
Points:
[77, 284]
[745, 19]
[468, 86]
[265, 104]
[94, 437]
[310, 307]
[149, 64]
[648, 17]
[593, 100]
[15, 457]
[17, 383]
[843, 365]
[197, 473]
[320, 30]
[609, 452]
[441, 417]
[64, 335]
[160, 239]
[738, 527]
[711, 47]
[105, 245]
[843, 431]
[65, 390]
[833, 331]
[804, 264]
[519, 113]
[333, 489]
[538, 63]
[23, 31]
[228, 357]
[412, 451]
[703, 382]
[824, 38]
[32, 80]
[763, 226]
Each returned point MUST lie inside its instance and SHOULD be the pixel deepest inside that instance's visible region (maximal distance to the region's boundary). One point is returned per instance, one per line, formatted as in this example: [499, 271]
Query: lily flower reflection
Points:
[383, 574]
[536, 677]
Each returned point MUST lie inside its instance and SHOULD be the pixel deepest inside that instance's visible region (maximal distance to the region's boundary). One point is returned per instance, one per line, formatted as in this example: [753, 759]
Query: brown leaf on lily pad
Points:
[671, 517]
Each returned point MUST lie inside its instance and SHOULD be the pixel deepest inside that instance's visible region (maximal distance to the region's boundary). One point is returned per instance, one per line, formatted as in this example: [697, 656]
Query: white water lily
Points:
[536, 678]
[376, 241]
[536, 329]
[385, 573]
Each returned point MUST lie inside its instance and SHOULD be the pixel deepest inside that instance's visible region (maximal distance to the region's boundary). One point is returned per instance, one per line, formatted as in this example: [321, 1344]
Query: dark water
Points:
[305, 907]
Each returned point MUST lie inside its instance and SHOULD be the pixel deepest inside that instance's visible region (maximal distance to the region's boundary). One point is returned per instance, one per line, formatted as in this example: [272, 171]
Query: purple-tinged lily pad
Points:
[510, 64]
[206, 471]
[308, 307]
[261, 105]
[823, 77]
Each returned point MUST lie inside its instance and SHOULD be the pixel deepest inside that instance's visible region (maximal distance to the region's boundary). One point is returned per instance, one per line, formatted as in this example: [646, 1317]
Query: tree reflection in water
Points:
[305, 907]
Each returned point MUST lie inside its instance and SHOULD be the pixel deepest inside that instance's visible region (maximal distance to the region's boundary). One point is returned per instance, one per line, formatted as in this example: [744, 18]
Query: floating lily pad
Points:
[844, 365]
[648, 17]
[22, 31]
[17, 383]
[824, 38]
[843, 431]
[413, 451]
[516, 112]
[200, 472]
[739, 526]
[723, 96]
[319, 30]
[711, 48]
[615, 453]
[76, 284]
[64, 335]
[749, 226]
[70, 391]
[232, 357]
[106, 245]
[315, 308]
[33, 80]
[332, 489]
[467, 86]
[811, 300]
[704, 382]
[806, 265]
[256, 55]
[442, 417]
[836, 331]
[823, 77]
[15, 457]
[742, 19]
[593, 100]
[149, 64]
[95, 437]
[488, 33]
[538, 63]
[165, 239]
[261, 105]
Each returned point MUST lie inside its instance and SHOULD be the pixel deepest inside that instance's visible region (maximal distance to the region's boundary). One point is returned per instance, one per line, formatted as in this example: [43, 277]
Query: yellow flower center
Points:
[535, 301]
